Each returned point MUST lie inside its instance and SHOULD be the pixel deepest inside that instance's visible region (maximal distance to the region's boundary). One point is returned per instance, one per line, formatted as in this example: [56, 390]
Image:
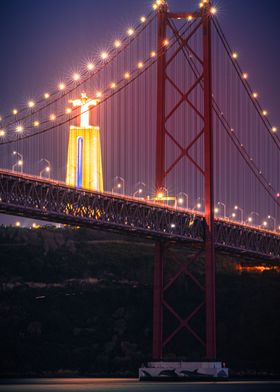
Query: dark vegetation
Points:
[80, 302]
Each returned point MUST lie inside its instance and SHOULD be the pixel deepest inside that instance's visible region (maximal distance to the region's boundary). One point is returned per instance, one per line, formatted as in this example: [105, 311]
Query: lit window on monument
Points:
[80, 162]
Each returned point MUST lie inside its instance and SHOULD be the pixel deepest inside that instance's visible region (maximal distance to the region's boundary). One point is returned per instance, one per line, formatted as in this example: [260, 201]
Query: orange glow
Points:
[257, 268]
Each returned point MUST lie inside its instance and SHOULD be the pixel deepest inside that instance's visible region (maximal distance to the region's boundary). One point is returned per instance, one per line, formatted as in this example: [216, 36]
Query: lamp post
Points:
[46, 169]
[183, 199]
[140, 190]
[273, 220]
[19, 162]
[118, 185]
[224, 208]
[250, 218]
[198, 204]
[241, 213]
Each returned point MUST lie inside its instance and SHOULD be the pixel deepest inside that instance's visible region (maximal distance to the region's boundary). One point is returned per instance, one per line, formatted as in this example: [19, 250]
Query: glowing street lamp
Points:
[198, 204]
[118, 185]
[241, 213]
[250, 218]
[140, 190]
[46, 169]
[273, 220]
[183, 200]
[19, 162]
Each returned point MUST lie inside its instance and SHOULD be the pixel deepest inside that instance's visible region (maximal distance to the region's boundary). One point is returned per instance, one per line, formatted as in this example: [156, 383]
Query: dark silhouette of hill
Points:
[80, 302]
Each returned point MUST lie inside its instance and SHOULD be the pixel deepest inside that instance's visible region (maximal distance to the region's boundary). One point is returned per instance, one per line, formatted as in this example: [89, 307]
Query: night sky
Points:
[43, 42]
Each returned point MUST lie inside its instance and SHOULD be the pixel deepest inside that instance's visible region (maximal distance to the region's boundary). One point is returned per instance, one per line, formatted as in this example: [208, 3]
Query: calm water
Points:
[106, 385]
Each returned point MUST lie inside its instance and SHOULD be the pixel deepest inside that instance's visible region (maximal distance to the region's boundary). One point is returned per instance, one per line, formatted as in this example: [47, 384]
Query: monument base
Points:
[183, 371]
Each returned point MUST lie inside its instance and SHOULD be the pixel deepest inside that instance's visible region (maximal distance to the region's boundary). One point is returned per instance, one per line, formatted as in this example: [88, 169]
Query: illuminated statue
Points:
[84, 163]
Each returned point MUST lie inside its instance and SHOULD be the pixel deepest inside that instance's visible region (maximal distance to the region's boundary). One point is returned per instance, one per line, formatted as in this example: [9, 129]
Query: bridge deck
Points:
[50, 200]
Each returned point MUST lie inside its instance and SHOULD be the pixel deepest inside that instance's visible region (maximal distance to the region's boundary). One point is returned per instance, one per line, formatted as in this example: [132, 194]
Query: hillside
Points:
[80, 301]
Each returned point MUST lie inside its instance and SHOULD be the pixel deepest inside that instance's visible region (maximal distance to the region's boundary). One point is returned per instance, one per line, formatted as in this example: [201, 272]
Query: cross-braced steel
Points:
[164, 136]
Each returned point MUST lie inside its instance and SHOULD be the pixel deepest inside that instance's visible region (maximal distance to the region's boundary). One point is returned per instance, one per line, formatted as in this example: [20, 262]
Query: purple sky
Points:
[42, 41]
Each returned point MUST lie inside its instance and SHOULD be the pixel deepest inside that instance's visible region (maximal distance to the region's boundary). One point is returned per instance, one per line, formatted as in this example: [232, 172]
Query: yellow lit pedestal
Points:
[84, 162]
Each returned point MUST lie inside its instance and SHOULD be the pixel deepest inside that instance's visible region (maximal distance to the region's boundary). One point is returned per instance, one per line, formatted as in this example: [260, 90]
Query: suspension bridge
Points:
[181, 151]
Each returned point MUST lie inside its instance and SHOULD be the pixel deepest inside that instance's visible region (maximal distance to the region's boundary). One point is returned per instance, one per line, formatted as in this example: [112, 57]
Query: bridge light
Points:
[113, 85]
[15, 112]
[36, 123]
[117, 43]
[2, 133]
[31, 104]
[255, 95]
[130, 32]
[250, 219]
[153, 54]
[180, 200]
[173, 225]
[52, 117]
[213, 10]
[99, 94]
[165, 42]
[265, 223]
[127, 75]
[274, 129]
[46, 95]
[61, 86]
[48, 169]
[90, 66]
[245, 75]
[160, 195]
[119, 185]
[140, 65]
[233, 214]
[76, 77]
[18, 224]
[143, 19]
[20, 162]
[198, 205]
[19, 128]
[216, 210]
[68, 110]
[265, 113]
[234, 55]
[189, 18]
[104, 55]
[155, 6]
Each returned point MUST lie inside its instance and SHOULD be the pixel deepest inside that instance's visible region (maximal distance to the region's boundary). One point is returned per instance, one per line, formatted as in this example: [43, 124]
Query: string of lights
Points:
[79, 78]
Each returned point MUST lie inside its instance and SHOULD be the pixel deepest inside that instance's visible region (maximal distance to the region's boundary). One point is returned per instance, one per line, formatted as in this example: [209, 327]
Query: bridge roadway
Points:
[54, 201]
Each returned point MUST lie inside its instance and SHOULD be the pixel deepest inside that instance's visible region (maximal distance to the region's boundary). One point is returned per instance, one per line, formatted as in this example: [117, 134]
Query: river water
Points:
[132, 385]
